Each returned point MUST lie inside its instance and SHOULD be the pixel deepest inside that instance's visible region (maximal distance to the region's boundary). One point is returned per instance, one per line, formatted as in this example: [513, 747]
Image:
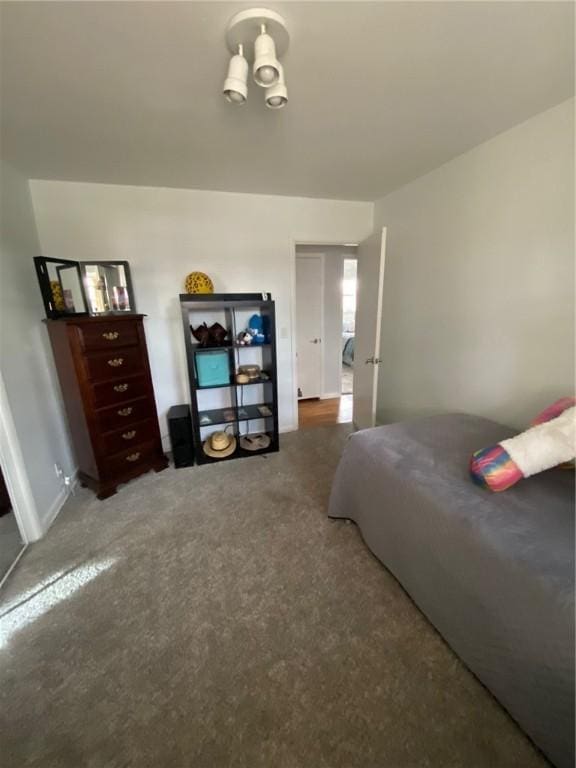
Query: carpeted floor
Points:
[214, 617]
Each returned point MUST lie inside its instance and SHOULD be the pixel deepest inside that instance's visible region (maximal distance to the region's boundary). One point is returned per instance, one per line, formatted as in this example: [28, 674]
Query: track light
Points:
[266, 69]
[260, 36]
[236, 83]
[277, 95]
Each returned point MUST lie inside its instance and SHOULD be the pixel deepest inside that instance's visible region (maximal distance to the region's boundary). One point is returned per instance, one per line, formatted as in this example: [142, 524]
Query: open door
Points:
[371, 257]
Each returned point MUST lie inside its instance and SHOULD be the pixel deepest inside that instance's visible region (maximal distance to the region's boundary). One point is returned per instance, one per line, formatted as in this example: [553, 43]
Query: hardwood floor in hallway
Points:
[316, 413]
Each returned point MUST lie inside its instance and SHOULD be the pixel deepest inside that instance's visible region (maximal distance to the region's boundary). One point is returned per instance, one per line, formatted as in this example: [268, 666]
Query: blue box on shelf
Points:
[212, 368]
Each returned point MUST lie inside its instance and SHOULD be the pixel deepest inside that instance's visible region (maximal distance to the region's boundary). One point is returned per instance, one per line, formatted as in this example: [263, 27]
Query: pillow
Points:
[541, 447]
[553, 410]
[550, 413]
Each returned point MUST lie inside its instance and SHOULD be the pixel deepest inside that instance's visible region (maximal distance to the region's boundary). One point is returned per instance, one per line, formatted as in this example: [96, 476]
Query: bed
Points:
[494, 573]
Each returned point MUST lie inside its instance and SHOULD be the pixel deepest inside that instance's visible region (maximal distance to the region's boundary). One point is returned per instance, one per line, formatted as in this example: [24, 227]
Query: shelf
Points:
[254, 381]
[252, 346]
[239, 453]
[214, 386]
[235, 384]
[231, 311]
[241, 413]
[226, 299]
[199, 348]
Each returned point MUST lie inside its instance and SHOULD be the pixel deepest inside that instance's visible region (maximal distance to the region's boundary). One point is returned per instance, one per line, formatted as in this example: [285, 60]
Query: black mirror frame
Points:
[46, 291]
[126, 266]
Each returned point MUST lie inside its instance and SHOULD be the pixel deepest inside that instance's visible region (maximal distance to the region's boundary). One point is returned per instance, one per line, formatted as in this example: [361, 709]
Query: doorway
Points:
[324, 321]
[349, 290]
[338, 293]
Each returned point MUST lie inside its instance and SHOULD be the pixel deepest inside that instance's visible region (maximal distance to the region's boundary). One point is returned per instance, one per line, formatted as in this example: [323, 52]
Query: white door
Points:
[371, 257]
[309, 291]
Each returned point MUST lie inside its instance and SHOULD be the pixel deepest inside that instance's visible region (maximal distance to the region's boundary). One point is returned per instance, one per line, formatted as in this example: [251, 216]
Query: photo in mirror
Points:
[108, 286]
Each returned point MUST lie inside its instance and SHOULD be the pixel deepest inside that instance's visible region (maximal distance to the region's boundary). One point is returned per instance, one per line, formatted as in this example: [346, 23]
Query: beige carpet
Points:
[214, 617]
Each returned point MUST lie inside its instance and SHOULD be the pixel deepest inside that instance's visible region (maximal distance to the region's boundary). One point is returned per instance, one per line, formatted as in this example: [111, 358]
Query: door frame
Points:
[16, 477]
[293, 246]
[321, 257]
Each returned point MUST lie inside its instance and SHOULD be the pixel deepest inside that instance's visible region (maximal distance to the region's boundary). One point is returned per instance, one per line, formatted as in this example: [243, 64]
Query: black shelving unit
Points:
[230, 406]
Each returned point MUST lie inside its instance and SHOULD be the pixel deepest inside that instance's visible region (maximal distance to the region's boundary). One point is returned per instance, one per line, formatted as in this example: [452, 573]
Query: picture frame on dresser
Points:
[108, 287]
[61, 286]
[71, 288]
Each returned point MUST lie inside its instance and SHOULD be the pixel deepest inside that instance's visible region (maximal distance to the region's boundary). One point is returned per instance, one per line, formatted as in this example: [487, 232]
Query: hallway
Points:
[321, 413]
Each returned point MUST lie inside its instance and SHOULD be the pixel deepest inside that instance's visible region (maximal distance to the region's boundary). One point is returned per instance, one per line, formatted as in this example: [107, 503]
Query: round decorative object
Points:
[57, 296]
[198, 282]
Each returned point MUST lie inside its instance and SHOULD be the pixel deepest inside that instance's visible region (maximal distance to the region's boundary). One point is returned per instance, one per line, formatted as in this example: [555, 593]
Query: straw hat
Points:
[255, 442]
[219, 445]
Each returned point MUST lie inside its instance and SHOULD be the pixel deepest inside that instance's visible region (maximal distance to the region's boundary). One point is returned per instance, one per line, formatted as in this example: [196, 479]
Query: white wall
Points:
[26, 361]
[244, 242]
[479, 285]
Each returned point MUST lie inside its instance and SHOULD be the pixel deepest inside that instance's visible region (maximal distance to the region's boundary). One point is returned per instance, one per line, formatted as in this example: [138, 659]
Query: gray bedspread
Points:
[493, 572]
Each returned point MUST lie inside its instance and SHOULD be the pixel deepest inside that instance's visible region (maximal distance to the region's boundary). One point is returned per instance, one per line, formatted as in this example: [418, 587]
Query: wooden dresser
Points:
[102, 364]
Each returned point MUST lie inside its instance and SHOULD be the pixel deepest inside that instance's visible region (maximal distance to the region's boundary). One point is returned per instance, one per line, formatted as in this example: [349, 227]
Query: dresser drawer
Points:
[126, 437]
[113, 392]
[116, 363]
[119, 416]
[130, 459]
[109, 335]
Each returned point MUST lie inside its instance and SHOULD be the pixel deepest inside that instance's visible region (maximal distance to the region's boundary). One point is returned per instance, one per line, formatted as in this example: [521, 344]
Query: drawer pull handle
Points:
[116, 362]
[129, 435]
[110, 335]
[120, 387]
[124, 411]
[133, 456]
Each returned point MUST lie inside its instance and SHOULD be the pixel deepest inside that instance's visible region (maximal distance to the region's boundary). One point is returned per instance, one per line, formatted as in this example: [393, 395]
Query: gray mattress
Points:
[494, 573]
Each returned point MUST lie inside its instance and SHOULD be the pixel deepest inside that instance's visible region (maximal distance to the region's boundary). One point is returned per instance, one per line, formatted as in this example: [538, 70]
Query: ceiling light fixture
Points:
[260, 36]
[277, 94]
[236, 83]
[266, 69]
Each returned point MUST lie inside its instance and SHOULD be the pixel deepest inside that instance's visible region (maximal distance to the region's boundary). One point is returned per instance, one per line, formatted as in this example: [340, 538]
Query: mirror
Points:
[61, 287]
[108, 286]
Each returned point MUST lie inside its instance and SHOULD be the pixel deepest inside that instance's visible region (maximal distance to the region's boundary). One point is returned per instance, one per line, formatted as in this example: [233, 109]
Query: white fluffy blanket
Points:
[544, 446]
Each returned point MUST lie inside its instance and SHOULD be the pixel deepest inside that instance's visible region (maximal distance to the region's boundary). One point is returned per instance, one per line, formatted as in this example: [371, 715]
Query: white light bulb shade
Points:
[266, 69]
[277, 95]
[236, 83]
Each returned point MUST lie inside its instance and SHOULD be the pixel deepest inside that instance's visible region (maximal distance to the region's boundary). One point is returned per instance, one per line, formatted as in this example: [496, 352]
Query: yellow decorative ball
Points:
[198, 282]
[57, 297]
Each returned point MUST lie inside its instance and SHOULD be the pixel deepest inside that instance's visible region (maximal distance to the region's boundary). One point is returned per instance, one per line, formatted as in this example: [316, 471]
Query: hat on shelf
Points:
[252, 371]
[219, 445]
[255, 442]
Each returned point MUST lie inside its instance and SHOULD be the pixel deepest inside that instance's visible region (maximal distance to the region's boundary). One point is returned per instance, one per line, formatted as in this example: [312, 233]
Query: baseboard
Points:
[11, 568]
[58, 503]
[330, 395]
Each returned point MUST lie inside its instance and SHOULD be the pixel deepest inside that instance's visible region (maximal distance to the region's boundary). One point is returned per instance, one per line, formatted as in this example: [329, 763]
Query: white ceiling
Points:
[380, 93]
